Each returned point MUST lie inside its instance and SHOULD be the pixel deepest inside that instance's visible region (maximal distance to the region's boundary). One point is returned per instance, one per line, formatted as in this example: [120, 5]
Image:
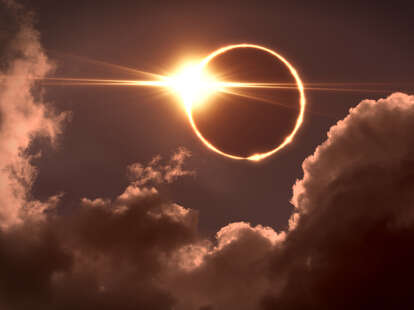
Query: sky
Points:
[110, 201]
[330, 42]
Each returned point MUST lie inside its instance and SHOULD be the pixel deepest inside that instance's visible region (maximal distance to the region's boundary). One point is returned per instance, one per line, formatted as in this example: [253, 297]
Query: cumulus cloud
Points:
[229, 272]
[349, 244]
[106, 254]
[23, 116]
[134, 252]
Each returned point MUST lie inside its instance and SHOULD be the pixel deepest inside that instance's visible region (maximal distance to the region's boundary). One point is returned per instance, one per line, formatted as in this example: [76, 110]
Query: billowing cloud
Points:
[350, 239]
[106, 255]
[229, 272]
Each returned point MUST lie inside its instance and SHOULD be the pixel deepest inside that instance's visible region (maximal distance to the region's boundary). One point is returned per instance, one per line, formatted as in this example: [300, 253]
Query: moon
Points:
[258, 156]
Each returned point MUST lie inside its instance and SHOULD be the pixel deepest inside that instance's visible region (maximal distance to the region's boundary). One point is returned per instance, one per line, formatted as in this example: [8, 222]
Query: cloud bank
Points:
[348, 243]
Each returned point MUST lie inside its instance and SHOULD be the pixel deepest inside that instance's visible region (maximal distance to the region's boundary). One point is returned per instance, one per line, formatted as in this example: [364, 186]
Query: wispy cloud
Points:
[23, 116]
[157, 171]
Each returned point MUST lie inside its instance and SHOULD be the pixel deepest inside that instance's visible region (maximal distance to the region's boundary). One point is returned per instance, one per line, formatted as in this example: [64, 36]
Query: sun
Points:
[193, 84]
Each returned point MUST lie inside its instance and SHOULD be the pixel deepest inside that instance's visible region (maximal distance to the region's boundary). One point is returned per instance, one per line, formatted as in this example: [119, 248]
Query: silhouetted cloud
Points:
[106, 254]
[229, 272]
[349, 244]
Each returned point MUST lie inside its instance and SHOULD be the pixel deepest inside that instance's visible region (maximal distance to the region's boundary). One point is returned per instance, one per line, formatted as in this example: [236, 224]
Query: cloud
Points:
[156, 172]
[23, 117]
[106, 255]
[134, 252]
[227, 273]
[349, 244]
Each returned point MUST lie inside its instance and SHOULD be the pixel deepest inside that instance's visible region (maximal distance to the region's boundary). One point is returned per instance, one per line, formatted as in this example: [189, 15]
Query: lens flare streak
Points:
[193, 84]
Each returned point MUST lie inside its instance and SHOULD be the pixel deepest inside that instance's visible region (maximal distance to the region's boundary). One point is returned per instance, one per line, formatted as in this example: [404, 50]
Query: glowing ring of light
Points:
[299, 120]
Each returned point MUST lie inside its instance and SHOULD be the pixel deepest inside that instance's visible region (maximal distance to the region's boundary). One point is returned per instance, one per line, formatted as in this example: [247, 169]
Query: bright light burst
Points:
[223, 85]
[194, 85]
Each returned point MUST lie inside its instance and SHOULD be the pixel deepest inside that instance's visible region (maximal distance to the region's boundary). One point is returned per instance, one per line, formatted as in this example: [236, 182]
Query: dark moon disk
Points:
[255, 120]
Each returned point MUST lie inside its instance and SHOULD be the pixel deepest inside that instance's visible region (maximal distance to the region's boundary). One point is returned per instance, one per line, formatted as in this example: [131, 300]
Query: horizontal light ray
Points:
[294, 87]
[103, 82]
[240, 94]
[362, 83]
[302, 100]
[189, 84]
[266, 100]
[107, 64]
[164, 82]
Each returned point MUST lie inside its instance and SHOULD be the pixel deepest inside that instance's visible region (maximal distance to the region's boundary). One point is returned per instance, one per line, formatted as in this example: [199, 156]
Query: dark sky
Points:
[112, 127]
[108, 200]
